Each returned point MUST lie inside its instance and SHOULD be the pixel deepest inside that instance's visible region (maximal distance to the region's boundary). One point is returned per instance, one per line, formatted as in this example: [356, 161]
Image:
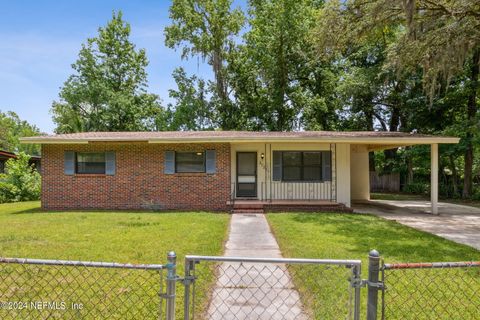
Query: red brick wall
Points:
[139, 181]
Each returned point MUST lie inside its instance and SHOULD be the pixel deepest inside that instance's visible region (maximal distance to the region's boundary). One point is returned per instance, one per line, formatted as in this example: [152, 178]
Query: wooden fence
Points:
[385, 182]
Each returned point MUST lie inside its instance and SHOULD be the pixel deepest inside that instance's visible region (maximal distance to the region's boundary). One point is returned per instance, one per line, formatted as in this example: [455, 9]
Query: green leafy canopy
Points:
[108, 91]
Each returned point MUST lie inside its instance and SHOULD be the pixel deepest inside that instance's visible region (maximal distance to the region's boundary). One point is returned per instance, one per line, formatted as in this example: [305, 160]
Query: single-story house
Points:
[214, 170]
[5, 156]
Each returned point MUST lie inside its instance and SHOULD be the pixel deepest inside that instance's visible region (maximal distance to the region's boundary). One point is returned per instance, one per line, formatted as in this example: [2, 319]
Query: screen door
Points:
[246, 174]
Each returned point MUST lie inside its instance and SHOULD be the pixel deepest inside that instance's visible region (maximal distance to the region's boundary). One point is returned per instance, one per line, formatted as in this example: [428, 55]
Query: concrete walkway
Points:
[253, 290]
[455, 222]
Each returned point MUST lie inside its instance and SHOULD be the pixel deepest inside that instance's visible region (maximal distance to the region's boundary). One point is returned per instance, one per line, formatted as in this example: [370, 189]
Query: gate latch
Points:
[364, 283]
[187, 280]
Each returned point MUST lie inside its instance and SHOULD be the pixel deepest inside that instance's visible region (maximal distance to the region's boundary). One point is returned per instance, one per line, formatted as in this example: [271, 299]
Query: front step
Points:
[248, 211]
[252, 205]
[258, 207]
[337, 207]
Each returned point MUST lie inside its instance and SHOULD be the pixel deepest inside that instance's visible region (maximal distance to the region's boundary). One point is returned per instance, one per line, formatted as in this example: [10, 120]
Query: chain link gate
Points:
[268, 288]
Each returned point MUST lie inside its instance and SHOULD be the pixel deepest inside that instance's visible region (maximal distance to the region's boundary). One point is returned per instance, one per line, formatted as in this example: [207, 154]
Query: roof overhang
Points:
[374, 143]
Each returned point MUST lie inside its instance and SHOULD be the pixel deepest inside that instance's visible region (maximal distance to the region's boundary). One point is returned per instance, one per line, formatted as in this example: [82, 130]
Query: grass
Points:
[125, 237]
[421, 197]
[352, 236]
[398, 196]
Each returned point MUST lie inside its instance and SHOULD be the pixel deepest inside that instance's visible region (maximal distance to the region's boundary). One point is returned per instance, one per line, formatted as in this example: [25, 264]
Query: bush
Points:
[20, 182]
[476, 194]
[417, 188]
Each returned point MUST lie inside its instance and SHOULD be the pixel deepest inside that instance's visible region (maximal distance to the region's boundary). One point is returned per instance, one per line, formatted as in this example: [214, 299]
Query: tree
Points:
[275, 73]
[207, 28]
[439, 39]
[11, 129]
[21, 181]
[108, 91]
[192, 110]
[442, 37]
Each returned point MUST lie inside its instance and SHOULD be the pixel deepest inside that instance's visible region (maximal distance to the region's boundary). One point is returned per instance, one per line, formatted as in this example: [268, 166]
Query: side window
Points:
[90, 163]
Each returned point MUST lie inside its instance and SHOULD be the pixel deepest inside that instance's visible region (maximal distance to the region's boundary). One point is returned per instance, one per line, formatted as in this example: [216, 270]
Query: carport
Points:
[359, 164]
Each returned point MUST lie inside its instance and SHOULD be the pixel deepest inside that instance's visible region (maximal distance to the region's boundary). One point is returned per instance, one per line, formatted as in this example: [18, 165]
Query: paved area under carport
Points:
[253, 290]
[455, 222]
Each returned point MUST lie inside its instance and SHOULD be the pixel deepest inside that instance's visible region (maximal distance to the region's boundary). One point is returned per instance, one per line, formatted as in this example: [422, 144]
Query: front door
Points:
[246, 174]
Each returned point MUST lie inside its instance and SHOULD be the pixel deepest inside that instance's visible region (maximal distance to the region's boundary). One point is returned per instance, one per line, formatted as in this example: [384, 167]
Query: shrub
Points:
[416, 188]
[476, 194]
[20, 182]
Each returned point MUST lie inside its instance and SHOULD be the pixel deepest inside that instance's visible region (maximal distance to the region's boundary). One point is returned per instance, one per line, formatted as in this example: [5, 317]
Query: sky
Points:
[39, 40]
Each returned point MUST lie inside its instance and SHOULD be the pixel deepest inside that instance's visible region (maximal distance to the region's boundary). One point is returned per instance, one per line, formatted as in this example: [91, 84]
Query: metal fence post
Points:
[357, 278]
[171, 285]
[373, 271]
[189, 266]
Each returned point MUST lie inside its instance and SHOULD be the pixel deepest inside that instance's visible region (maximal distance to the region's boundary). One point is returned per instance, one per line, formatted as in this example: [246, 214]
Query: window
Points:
[292, 166]
[90, 163]
[189, 161]
[301, 166]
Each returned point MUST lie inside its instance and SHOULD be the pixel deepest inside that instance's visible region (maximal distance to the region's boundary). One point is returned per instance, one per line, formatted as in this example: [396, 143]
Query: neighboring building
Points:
[5, 155]
[210, 170]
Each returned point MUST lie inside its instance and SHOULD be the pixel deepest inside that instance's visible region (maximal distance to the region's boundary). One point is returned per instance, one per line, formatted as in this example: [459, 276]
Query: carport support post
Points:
[434, 177]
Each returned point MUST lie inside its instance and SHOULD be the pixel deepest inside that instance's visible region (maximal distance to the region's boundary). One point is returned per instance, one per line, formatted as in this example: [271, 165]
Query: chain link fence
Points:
[249, 288]
[444, 290]
[238, 288]
[41, 289]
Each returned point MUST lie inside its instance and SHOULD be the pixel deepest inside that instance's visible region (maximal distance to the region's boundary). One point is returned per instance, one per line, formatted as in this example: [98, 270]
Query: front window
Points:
[302, 166]
[189, 162]
[90, 163]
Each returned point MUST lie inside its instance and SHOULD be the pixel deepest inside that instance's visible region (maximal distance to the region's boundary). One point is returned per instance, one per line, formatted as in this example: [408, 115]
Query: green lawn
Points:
[415, 197]
[352, 236]
[398, 196]
[125, 237]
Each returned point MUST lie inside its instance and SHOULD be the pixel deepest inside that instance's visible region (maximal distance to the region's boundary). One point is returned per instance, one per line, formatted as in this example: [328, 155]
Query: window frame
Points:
[91, 173]
[204, 155]
[302, 167]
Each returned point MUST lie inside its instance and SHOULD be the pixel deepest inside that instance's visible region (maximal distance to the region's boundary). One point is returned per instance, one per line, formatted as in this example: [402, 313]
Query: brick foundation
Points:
[139, 182]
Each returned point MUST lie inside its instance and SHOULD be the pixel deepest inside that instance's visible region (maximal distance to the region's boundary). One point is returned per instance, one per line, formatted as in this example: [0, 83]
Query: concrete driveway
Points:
[455, 222]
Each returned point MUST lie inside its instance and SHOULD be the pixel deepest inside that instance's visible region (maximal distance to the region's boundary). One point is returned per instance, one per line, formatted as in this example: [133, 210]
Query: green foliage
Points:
[108, 91]
[476, 194]
[20, 182]
[207, 29]
[417, 188]
[411, 65]
[11, 129]
[192, 109]
[277, 76]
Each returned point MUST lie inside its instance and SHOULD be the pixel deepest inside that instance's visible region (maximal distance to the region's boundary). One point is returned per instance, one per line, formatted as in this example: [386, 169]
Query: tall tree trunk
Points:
[226, 116]
[371, 155]
[281, 89]
[454, 174]
[409, 165]
[371, 161]
[471, 112]
[391, 154]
